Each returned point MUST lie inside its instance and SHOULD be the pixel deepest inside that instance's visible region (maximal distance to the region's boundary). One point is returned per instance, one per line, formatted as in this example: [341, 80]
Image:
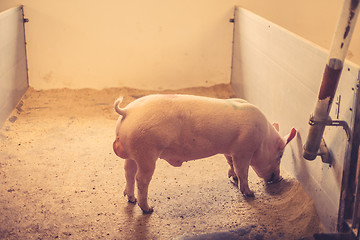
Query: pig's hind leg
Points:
[144, 175]
[241, 164]
[130, 168]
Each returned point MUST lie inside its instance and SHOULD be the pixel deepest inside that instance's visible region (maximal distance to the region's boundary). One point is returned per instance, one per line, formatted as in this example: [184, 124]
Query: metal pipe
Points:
[331, 76]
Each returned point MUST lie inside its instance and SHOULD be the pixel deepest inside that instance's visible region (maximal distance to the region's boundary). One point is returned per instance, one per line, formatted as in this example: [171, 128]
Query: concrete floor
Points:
[59, 179]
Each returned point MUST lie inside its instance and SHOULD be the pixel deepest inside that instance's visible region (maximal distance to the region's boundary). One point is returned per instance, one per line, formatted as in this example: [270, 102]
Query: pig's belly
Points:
[176, 155]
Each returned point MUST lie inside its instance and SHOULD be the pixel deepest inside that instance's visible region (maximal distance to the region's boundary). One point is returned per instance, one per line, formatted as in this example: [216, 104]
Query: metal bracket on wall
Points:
[335, 123]
[323, 150]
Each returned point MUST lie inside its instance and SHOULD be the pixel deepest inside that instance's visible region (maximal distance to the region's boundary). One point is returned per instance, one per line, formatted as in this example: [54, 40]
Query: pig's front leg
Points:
[143, 177]
[241, 167]
[130, 168]
[231, 172]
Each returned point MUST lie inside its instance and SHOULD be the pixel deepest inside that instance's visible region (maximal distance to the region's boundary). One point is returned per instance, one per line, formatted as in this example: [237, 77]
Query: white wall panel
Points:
[281, 73]
[13, 62]
[153, 44]
[142, 44]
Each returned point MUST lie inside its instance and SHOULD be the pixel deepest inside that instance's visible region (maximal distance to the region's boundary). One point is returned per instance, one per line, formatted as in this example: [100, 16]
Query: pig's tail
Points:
[117, 108]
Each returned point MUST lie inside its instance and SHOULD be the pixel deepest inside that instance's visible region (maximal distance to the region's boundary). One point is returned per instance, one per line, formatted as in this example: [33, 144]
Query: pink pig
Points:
[180, 128]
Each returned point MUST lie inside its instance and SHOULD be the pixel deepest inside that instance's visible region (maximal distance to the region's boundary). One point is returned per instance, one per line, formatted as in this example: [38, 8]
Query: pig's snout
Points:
[274, 178]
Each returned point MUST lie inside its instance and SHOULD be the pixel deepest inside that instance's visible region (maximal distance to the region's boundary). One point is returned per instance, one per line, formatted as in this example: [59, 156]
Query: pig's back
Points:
[161, 108]
[158, 103]
[193, 115]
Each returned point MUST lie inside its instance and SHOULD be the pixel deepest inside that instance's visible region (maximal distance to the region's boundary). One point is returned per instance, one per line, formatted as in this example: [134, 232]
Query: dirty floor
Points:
[59, 179]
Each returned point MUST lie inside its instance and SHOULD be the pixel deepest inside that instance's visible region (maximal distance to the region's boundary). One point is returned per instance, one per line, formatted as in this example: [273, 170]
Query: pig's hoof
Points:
[131, 199]
[234, 180]
[147, 211]
[248, 194]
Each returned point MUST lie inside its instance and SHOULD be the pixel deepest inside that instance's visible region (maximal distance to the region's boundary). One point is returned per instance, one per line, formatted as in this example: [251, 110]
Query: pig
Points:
[179, 128]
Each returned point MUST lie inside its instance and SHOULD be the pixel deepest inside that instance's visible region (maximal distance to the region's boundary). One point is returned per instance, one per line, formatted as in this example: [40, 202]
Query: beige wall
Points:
[153, 44]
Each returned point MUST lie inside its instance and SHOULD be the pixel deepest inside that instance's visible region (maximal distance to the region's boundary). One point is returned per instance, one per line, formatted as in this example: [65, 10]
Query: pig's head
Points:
[267, 162]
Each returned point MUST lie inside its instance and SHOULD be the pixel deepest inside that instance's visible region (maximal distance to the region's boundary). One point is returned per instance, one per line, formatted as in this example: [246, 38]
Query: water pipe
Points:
[339, 46]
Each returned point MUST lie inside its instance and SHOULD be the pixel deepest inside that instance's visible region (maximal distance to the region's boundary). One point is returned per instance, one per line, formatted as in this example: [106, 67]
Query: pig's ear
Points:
[276, 126]
[288, 138]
